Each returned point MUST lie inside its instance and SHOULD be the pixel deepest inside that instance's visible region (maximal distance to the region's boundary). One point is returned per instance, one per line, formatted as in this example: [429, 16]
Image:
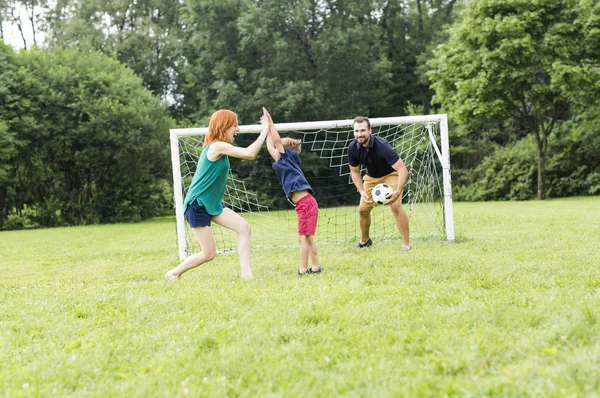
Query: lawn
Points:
[512, 308]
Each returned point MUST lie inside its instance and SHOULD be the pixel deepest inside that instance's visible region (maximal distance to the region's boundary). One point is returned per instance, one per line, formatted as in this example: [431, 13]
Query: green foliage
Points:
[576, 70]
[573, 167]
[144, 35]
[7, 139]
[517, 63]
[16, 221]
[497, 63]
[7, 150]
[508, 173]
[89, 139]
[292, 57]
[507, 72]
[412, 29]
[304, 60]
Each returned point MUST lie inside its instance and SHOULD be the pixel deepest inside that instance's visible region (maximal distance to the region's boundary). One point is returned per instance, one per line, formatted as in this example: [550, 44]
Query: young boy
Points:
[284, 152]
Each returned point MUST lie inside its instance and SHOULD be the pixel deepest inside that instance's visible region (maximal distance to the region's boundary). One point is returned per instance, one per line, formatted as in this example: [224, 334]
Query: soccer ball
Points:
[380, 192]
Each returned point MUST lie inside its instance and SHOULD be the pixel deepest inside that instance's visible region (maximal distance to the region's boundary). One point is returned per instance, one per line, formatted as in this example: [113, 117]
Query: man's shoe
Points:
[406, 248]
[368, 243]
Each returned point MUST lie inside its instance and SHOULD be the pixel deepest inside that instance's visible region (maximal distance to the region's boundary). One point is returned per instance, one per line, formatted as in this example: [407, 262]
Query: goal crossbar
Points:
[327, 124]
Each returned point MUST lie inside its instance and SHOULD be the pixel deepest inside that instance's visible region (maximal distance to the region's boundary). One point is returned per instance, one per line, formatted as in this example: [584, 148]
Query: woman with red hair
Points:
[204, 200]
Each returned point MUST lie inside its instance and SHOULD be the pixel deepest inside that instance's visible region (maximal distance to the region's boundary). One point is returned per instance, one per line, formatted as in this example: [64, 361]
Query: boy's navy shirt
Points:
[290, 174]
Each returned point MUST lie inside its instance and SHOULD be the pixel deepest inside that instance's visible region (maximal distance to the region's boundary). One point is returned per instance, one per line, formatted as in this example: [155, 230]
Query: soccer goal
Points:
[254, 192]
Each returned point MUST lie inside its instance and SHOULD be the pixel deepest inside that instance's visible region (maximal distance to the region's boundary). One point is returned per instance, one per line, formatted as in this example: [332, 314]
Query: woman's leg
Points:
[205, 239]
[230, 220]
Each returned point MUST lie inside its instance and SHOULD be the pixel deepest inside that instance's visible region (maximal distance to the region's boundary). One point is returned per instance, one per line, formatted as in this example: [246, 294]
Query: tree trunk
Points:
[540, 168]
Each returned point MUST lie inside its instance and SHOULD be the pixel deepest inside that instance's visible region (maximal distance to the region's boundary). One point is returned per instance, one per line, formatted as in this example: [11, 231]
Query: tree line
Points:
[84, 117]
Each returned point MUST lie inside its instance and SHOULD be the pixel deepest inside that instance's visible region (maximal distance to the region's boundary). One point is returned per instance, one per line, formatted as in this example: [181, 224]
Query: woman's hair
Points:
[292, 144]
[220, 121]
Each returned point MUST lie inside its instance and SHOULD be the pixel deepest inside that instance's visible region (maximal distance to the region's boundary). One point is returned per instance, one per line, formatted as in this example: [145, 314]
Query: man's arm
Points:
[402, 177]
[357, 180]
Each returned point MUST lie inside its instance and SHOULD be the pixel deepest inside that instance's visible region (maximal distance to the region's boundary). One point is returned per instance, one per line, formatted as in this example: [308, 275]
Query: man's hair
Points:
[220, 121]
[361, 119]
[293, 144]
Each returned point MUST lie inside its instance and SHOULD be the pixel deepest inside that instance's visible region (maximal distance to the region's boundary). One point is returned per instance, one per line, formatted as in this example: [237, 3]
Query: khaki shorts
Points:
[370, 182]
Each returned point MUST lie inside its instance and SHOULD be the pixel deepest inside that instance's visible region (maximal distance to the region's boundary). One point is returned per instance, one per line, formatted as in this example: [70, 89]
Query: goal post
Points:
[254, 192]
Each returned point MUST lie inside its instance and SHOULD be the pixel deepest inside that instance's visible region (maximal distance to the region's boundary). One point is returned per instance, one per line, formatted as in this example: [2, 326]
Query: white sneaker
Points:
[406, 248]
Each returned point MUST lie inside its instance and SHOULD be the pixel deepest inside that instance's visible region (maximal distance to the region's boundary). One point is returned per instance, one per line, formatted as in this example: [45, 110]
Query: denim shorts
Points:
[197, 216]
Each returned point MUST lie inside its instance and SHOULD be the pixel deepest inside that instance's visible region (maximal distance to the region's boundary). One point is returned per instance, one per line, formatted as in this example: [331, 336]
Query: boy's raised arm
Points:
[274, 145]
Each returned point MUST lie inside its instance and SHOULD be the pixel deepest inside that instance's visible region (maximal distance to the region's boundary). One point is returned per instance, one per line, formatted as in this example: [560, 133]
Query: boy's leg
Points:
[307, 210]
[314, 259]
[208, 251]
[233, 221]
[304, 252]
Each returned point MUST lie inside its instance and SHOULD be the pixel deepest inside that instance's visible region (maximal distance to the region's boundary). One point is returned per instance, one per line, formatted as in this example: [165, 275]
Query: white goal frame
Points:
[443, 155]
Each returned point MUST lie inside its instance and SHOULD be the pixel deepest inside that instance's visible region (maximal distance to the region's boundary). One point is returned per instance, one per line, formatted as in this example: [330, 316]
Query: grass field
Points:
[512, 308]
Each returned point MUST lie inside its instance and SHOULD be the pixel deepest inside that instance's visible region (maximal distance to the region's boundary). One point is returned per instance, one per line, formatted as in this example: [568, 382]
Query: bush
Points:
[14, 221]
[91, 143]
[19, 219]
[509, 173]
[572, 166]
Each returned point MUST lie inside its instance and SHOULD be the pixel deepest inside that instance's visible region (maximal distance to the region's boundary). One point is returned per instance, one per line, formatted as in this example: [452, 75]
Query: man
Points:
[383, 166]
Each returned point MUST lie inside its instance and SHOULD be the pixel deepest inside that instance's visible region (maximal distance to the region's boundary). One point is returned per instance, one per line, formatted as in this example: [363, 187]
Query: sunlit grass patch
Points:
[510, 309]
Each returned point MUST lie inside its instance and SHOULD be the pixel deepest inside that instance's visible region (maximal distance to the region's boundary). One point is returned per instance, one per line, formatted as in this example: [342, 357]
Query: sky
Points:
[12, 35]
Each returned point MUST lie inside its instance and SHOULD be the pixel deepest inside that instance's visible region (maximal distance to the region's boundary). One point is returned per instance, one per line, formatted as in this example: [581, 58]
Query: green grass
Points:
[511, 309]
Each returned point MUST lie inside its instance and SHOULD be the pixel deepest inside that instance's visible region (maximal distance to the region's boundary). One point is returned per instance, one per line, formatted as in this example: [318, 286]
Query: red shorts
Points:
[308, 213]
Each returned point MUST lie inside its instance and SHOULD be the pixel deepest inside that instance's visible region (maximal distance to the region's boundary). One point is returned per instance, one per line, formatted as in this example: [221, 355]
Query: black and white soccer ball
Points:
[381, 193]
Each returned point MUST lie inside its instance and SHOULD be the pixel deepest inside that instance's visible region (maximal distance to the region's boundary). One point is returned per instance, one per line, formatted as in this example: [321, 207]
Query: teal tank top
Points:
[209, 183]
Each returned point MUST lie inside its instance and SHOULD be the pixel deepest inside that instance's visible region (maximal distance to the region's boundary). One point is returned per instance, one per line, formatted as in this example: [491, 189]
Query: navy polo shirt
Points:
[378, 159]
[290, 174]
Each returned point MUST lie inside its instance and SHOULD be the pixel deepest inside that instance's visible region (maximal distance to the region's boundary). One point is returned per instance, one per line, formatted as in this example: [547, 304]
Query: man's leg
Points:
[364, 216]
[401, 222]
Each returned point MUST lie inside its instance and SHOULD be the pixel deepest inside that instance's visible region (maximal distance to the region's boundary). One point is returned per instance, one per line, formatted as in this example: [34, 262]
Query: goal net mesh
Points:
[254, 192]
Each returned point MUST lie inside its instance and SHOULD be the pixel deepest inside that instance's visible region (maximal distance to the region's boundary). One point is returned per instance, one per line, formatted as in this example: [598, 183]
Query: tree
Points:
[145, 35]
[576, 70]
[310, 59]
[7, 140]
[503, 64]
[26, 16]
[91, 142]
[410, 28]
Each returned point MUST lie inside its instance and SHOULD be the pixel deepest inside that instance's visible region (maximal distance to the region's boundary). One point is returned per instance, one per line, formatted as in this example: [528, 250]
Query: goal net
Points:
[254, 192]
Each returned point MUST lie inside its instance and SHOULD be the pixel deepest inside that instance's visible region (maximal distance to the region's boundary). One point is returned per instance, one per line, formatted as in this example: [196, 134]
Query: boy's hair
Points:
[293, 144]
[220, 121]
[361, 119]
